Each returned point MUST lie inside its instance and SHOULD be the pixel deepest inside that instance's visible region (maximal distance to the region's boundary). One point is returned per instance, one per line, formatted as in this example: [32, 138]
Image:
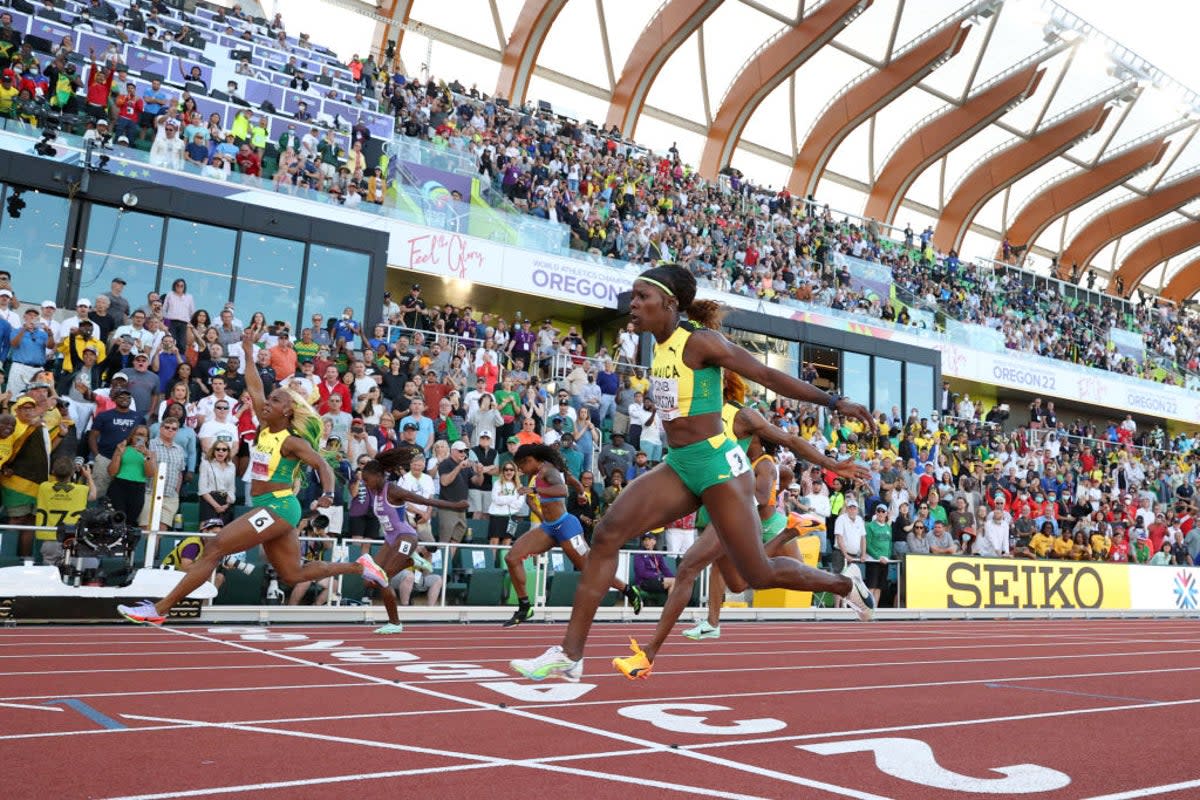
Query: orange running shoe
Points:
[634, 666]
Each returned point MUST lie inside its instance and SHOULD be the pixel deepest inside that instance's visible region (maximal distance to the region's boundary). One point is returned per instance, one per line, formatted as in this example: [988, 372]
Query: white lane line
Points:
[483, 761]
[811, 667]
[1149, 791]
[89, 732]
[123, 654]
[957, 723]
[126, 670]
[703, 757]
[887, 687]
[270, 687]
[31, 708]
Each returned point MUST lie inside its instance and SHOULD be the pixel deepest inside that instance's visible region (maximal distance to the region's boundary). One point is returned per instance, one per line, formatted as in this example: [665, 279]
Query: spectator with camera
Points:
[60, 501]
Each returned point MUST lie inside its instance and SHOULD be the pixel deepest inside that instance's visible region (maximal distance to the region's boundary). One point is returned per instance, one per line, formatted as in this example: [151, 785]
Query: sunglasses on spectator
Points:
[221, 407]
[220, 449]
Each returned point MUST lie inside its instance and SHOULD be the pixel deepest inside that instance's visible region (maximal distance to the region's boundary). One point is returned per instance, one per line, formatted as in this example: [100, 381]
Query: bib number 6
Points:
[738, 463]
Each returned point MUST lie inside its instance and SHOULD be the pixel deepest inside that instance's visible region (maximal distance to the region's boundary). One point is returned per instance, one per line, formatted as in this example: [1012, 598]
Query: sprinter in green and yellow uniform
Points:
[778, 533]
[703, 465]
[288, 434]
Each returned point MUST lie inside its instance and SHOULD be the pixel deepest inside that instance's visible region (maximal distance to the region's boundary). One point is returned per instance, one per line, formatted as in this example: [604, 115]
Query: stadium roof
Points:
[977, 118]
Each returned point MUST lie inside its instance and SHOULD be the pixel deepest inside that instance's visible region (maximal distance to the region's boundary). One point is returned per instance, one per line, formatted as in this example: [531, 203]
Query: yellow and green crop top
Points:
[729, 412]
[678, 390]
[266, 458]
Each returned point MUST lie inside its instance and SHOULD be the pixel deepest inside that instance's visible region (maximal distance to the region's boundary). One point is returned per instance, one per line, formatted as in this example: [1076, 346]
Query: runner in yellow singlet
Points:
[289, 432]
[703, 466]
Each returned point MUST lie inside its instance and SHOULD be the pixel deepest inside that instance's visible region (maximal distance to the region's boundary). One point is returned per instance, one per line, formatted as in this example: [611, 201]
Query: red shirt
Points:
[129, 107]
[338, 388]
[249, 163]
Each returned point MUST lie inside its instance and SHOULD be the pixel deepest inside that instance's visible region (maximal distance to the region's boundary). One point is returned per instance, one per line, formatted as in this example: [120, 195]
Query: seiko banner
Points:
[1011, 583]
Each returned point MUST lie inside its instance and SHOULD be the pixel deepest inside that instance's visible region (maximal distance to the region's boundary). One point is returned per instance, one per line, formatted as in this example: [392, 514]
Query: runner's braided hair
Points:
[682, 285]
[541, 452]
[395, 461]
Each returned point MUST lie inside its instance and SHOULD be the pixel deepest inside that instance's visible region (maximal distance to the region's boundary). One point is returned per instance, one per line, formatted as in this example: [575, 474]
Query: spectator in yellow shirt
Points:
[1101, 544]
[8, 93]
[1063, 545]
[78, 340]
[1041, 542]
[60, 501]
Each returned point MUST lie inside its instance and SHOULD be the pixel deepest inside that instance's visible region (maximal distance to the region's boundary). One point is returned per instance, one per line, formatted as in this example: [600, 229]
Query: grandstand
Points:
[976, 219]
[314, 183]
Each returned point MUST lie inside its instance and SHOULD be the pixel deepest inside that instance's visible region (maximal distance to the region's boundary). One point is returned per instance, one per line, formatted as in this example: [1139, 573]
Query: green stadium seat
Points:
[191, 516]
[561, 591]
[8, 543]
[478, 530]
[241, 589]
[485, 587]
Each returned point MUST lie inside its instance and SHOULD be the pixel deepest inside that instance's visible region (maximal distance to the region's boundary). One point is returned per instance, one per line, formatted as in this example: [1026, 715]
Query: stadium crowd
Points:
[617, 199]
[97, 400]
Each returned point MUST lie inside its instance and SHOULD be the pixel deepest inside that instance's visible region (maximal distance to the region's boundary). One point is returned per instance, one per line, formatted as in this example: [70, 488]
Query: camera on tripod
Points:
[100, 533]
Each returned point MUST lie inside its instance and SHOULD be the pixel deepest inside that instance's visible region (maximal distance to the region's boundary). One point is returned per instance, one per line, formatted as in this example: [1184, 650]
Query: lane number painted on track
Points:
[529, 693]
[448, 671]
[912, 760]
[671, 717]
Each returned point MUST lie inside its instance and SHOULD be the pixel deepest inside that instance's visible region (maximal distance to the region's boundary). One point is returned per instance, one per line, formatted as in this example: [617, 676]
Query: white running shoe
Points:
[391, 627]
[703, 631]
[143, 613]
[860, 597]
[372, 573]
[551, 664]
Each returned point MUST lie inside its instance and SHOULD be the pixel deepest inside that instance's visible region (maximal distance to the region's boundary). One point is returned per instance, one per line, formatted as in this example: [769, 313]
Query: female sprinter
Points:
[703, 465]
[545, 465]
[386, 501]
[288, 433]
[778, 533]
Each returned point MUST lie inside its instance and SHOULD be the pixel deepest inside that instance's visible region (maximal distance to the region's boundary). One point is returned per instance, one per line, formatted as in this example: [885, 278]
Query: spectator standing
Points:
[218, 482]
[454, 475]
[417, 481]
[169, 454]
[28, 345]
[131, 468]
[994, 540]
[109, 430]
[849, 533]
[178, 308]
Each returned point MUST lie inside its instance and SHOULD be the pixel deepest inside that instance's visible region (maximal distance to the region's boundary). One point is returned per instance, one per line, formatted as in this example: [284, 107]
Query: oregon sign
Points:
[948, 582]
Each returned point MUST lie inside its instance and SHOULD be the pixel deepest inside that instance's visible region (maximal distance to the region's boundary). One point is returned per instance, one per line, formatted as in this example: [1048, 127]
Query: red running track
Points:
[928, 710]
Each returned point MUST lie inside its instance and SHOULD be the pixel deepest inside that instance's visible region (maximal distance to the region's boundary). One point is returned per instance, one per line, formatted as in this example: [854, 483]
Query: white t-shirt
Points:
[219, 431]
[417, 484]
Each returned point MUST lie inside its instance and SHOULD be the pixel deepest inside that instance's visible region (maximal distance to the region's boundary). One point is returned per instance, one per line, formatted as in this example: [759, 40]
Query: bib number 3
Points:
[738, 463]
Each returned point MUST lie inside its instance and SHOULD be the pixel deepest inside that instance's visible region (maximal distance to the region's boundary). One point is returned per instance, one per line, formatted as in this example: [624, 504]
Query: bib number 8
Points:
[738, 463]
[405, 547]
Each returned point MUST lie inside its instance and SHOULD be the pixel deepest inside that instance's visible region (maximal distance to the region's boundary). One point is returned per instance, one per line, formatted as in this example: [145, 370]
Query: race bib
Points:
[665, 394]
[260, 520]
[738, 463]
[260, 465]
[405, 547]
[579, 543]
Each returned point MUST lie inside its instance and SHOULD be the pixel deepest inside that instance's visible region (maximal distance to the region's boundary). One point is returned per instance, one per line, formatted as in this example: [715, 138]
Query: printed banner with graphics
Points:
[866, 277]
[1165, 587]
[1010, 583]
[1014, 583]
[1128, 343]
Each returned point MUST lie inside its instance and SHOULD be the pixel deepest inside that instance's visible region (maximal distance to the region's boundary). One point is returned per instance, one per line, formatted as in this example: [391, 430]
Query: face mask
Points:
[345, 316]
